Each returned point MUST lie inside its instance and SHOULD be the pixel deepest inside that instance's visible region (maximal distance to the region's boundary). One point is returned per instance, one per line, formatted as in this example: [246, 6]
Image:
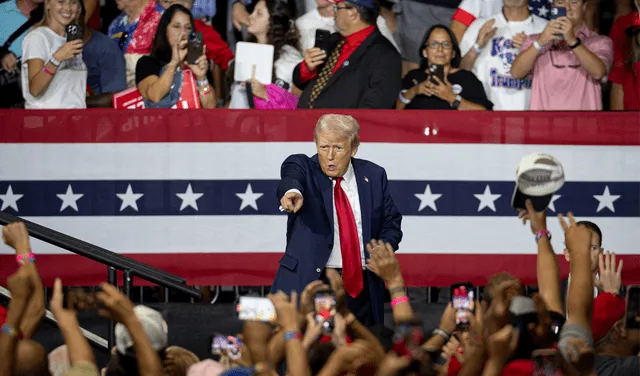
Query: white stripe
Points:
[180, 234]
[262, 161]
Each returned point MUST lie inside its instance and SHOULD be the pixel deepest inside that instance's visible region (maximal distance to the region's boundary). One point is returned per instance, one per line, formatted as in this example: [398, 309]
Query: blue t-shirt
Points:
[106, 71]
[10, 20]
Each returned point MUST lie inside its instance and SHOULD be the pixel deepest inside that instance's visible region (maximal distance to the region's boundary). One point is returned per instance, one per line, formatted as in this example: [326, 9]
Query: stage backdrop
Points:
[193, 192]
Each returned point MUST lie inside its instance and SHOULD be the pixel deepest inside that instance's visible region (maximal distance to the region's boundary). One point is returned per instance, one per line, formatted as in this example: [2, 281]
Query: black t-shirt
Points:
[147, 66]
[472, 90]
[612, 366]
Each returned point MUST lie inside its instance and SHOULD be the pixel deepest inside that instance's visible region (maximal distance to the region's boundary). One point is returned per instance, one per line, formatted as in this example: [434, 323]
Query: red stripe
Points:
[107, 125]
[464, 17]
[258, 269]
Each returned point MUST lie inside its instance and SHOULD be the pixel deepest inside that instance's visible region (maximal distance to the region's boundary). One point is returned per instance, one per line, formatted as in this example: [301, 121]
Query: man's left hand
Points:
[567, 30]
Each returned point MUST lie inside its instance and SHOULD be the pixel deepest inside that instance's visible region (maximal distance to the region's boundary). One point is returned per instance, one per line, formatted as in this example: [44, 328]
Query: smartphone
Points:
[195, 47]
[256, 309]
[325, 308]
[219, 344]
[557, 12]
[437, 71]
[323, 38]
[546, 362]
[463, 301]
[74, 32]
[633, 307]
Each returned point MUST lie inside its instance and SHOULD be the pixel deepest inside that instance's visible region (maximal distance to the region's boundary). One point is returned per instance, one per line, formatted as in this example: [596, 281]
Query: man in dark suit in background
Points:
[336, 205]
[360, 69]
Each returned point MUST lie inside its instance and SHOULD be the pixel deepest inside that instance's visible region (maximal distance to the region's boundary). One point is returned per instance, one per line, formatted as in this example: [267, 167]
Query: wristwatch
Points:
[576, 44]
[457, 102]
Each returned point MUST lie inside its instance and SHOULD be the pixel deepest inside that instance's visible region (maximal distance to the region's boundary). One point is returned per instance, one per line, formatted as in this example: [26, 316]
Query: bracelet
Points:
[205, 89]
[398, 290]
[576, 44]
[442, 334]
[537, 45]
[11, 331]
[29, 256]
[543, 233]
[53, 61]
[399, 300]
[292, 335]
[261, 367]
[45, 70]
[402, 99]
[202, 83]
[477, 48]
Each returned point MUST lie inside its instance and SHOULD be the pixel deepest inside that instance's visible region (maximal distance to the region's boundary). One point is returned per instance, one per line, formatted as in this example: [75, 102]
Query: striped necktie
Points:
[325, 73]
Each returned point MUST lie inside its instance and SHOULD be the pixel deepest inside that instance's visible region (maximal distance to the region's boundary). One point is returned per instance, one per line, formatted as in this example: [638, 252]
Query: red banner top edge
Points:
[221, 125]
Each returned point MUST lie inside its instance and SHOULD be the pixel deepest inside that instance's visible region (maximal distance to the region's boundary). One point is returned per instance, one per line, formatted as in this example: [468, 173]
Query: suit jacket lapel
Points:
[364, 194]
[355, 56]
[326, 189]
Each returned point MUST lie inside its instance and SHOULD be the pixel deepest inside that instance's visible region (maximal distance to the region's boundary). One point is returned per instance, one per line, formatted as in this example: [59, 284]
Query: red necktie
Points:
[349, 242]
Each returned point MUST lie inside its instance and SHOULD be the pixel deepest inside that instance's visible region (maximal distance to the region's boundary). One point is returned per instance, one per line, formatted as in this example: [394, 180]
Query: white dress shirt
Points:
[350, 188]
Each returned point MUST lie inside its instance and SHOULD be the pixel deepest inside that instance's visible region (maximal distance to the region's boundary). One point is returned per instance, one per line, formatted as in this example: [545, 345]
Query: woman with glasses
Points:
[439, 83]
[161, 76]
[53, 73]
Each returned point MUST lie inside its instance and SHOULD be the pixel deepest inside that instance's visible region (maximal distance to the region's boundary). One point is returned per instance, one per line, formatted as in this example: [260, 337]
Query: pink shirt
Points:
[570, 88]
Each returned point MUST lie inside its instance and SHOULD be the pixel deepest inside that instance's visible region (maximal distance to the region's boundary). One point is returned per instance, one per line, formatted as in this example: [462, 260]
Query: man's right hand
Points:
[68, 50]
[291, 202]
[9, 62]
[313, 57]
[240, 15]
[549, 33]
[487, 31]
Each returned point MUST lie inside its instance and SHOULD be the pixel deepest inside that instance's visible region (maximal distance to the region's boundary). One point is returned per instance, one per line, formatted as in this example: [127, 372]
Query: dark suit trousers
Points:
[360, 306]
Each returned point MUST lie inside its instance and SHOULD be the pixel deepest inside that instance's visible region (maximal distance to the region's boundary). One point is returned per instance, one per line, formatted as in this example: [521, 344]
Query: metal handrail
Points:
[90, 336]
[112, 260]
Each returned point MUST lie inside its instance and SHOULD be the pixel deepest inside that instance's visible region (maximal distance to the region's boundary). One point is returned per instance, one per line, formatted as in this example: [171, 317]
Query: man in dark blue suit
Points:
[336, 205]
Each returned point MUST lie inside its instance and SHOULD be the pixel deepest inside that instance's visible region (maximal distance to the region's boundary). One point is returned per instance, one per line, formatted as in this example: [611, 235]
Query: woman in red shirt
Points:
[625, 90]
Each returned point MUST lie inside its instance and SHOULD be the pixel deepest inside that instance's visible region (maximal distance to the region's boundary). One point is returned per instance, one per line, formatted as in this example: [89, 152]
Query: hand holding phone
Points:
[436, 70]
[463, 301]
[195, 47]
[325, 310]
[323, 40]
[557, 12]
[74, 32]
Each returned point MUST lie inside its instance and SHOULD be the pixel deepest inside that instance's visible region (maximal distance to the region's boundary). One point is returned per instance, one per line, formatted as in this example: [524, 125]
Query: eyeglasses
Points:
[337, 8]
[433, 45]
[553, 63]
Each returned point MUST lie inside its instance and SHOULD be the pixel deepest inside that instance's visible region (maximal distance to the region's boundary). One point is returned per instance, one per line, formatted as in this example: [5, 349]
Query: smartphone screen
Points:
[256, 309]
[219, 344]
[325, 308]
[462, 299]
[633, 307]
[74, 32]
[195, 47]
[546, 363]
[323, 40]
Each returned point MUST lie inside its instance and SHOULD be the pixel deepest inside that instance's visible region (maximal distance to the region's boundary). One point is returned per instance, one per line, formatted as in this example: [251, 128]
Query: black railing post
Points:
[112, 278]
[128, 283]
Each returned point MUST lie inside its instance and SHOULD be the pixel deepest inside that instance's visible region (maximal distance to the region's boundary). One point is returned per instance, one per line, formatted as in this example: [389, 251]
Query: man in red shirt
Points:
[360, 69]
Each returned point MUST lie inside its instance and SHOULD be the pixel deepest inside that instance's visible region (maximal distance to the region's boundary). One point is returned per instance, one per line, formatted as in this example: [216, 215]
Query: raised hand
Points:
[538, 220]
[16, 236]
[286, 309]
[502, 344]
[116, 306]
[577, 238]
[57, 303]
[201, 66]
[291, 202]
[610, 278]
[519, 39]
[179, 50]
[382, 261]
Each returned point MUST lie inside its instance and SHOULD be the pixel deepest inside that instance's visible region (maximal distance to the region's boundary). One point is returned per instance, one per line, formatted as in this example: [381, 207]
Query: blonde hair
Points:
[344, 124]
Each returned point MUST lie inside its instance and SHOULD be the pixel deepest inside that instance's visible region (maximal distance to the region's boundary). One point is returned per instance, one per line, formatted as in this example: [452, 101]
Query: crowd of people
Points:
[402, 54]
[581, 330]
